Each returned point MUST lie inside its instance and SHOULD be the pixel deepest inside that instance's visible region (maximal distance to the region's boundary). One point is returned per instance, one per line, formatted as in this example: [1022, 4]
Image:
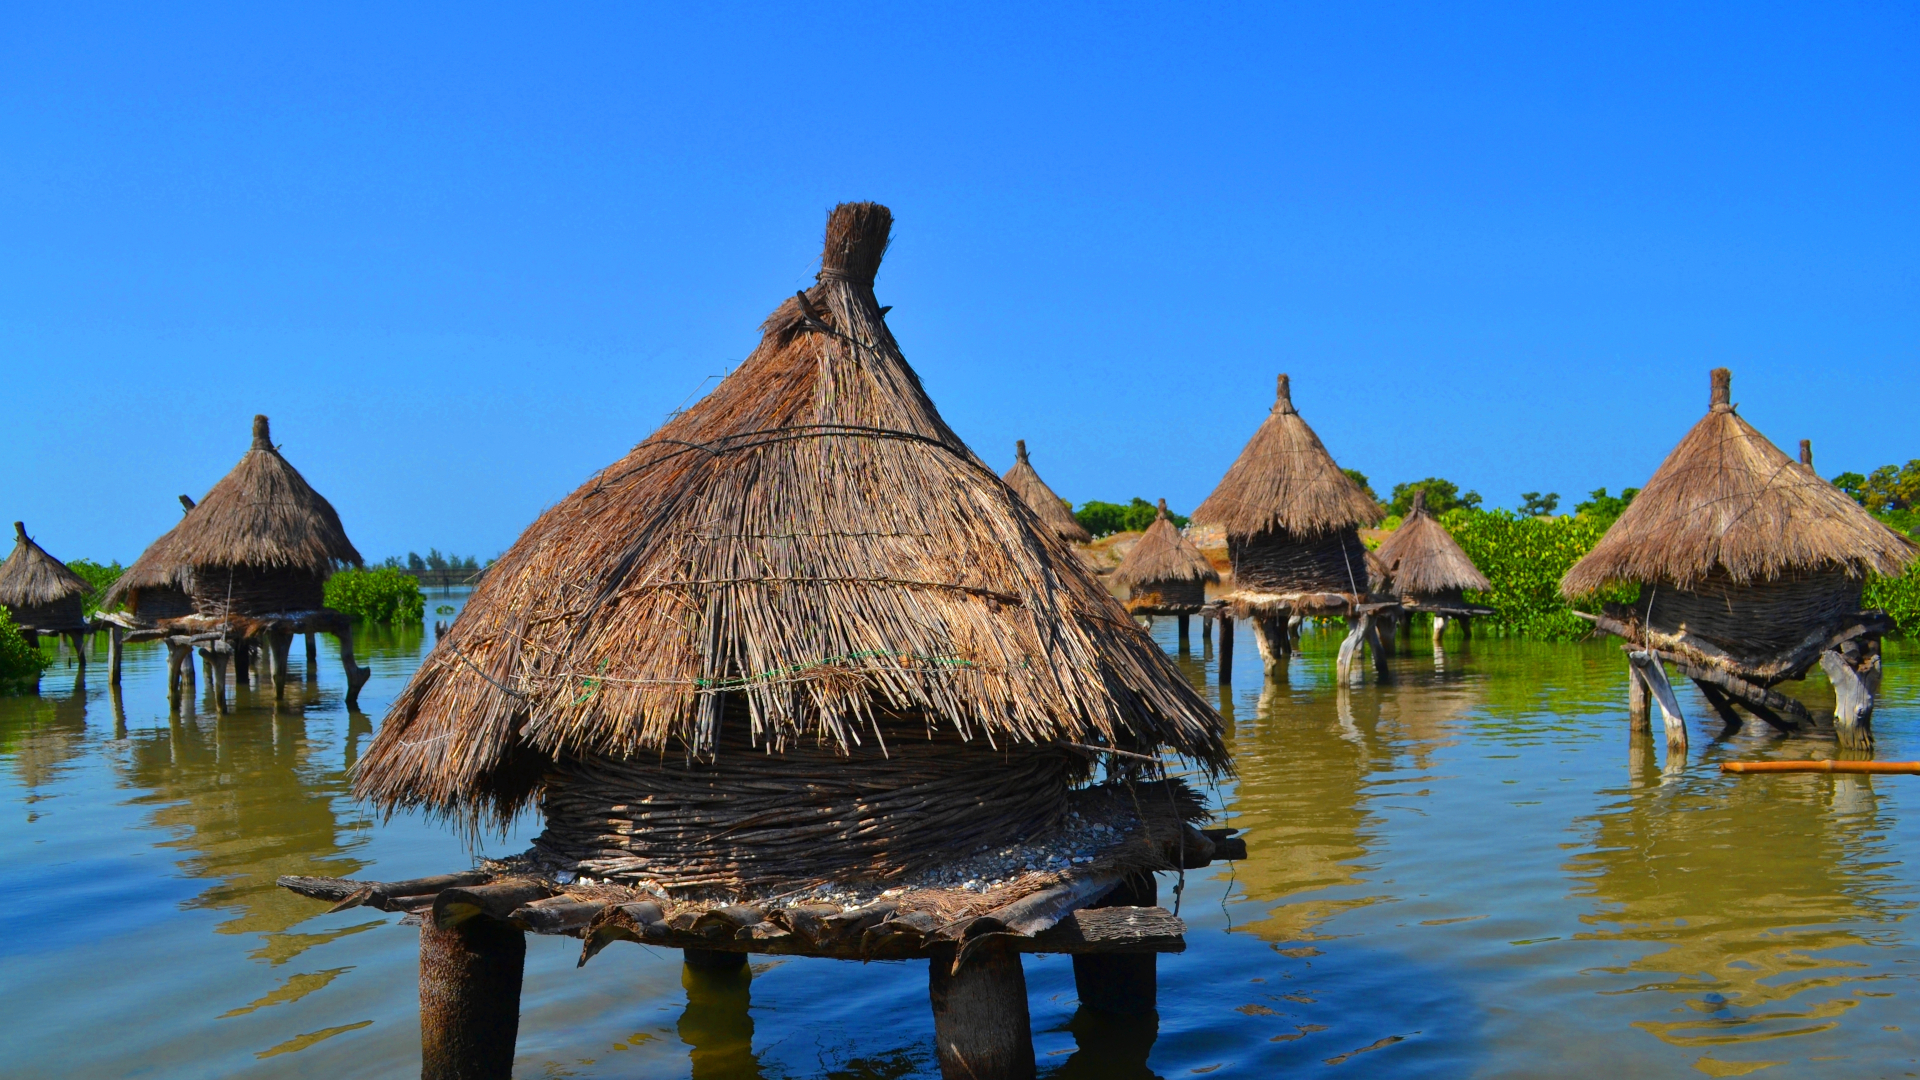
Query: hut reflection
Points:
[248, 801]
[717, 1026]
[41, 734]
[1747, 937]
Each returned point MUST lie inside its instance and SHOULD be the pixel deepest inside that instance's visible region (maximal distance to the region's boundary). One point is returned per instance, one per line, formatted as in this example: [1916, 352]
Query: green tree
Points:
[1605, 508]
[1442, 496]
[99, 579]
[1360, 478]
[1534, 504]
[384, 595]
[1890, 487]
[1105, 518]
[20, 663]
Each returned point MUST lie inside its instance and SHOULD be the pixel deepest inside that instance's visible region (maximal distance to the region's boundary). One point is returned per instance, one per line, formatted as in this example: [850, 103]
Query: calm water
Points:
[1470, 872]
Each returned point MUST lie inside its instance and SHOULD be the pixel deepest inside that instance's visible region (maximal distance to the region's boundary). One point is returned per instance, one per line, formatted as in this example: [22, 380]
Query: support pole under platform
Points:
[1226, 650]
[1650, 669]
[1122, 984]
[469, 999]
[116, 644]
[981, 1027]
[357, 676]
[1186, 640]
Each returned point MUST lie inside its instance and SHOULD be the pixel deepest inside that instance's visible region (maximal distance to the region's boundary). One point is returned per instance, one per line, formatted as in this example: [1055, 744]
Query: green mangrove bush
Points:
[99, 578]
[20, 663]
[382, 595]
[1524, 558]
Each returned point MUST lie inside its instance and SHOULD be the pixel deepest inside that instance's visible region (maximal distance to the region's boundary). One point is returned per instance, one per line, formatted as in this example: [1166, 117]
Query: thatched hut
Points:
[1424, 568]
[795, 602]
[1053, 510]
[1292, 520]
[1750, 569]
[255, 550]
[42, 595]
[1165, 574]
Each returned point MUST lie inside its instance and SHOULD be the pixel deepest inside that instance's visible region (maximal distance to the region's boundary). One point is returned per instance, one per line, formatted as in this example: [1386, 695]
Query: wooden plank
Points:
[1112, 930]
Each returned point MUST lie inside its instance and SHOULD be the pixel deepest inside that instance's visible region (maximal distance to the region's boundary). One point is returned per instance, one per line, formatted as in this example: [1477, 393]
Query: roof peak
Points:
[262, 434]
[857, 236]
[1721, 396]
[1283, 399]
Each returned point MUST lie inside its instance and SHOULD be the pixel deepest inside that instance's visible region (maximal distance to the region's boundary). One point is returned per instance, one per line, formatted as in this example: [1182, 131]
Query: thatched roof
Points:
[1422, 559]
[263, 515]
[30, 577]
[1163, 554]
[1286, 480]
[810, 537]
[1728, 502]
[1051, 508]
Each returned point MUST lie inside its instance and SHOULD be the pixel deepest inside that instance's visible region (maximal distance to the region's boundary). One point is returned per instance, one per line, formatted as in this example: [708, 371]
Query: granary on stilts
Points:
[1749, 570]
[1292, 520]
[43, 596]
[1423, 567]
[1165, 574]
[1053, 510]
[799, 674]
[244, 569]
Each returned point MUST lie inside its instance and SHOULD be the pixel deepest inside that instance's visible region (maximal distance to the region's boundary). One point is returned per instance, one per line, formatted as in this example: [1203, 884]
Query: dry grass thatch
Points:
[261, 516]
[1051, 508]
[32, 578]
[1420, 558]
[1727, 502]
[1286, 481]
[810, 537]
[1163, 554]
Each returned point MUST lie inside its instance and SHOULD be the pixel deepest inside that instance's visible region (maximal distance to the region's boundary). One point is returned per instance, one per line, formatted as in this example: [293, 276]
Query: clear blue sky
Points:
[465, 257]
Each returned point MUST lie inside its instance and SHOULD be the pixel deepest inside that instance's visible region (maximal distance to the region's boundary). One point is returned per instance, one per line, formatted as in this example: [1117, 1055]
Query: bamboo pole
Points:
[1900, 767]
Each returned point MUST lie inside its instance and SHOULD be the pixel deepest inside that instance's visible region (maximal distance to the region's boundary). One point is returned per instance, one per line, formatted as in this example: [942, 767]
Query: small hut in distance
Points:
[1750, 570]
[1292, 520]
[1035, 493]
[1165, 574]
[42, 595]
[1425, 568]
[248, 562]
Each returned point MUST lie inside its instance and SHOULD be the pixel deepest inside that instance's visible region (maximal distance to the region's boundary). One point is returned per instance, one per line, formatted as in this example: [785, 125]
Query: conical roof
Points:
[1051, 508]
[1422, 558]
[263, 515]
[811, 538]
[1286, 480]
[1163, 554]
[30, 577]
[1727, 501]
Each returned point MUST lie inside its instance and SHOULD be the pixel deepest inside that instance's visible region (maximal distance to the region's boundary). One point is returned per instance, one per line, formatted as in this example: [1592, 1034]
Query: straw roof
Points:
[1285, 480]
[1728, 502]
[1422, 559]
[810, 537]
[30, 577]
[262, 515]
[1051, 508]
[1163, 554]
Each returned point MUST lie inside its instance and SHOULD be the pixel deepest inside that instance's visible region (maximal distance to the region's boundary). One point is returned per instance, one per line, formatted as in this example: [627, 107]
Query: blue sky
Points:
[465, 256]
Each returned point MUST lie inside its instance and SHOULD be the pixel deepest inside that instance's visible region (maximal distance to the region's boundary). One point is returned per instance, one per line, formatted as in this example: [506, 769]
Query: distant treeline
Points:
[433, 560]
[1105, 518]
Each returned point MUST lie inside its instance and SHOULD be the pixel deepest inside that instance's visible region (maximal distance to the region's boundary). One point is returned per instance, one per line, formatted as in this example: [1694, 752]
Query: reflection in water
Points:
[1110, 1047]
[716, 1025]
[1747, 892]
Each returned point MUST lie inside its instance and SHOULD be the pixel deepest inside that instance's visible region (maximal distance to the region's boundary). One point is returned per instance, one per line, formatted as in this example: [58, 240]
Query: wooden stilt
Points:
[1270, 637]
[1123, 984]
[1381, 668]
[242, 666]
[469, 999]
[1186, 644]
[1226, 650]
[981, 1026]
[279, 643]
[219, 680]
[1853, 705]
[1466, 627]
[1206, 629]
[1722, 705]
[79, 639]
[1294, 623]
[116, 645]
[1656, 677]
[356, 676]
[1439, 628]
[1358, 628]
[177, 655]
[312, 670]
[718, 1024]
[1639, 702]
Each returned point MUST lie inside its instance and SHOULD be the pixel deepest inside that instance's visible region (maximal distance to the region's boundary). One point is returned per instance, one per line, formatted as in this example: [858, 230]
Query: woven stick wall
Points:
[1755, 621]
[1280, 562]
[243, 590]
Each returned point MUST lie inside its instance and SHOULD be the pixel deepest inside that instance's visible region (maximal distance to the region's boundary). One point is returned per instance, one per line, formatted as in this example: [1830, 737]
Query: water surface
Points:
[1473, 871]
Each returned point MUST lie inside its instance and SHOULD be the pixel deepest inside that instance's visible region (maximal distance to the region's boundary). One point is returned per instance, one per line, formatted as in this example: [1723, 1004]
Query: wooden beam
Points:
[1722, 704]
[470, 978]
[1648, 665]
[982, 1029]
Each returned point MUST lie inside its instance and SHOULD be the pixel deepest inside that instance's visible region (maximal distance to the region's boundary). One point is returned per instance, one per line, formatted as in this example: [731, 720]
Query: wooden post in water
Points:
[469, 998]
[313, 658]
[1358, 629]
[981, 1027]
[713, 959]
[356, 676]
[1655, 675]
[1379, 646]
[1852, 703]
[1270, 637]
[1439, 628]
[279, 643]
[1639, 703]
[176, 656]
[116, 644]
[242, 657]
[1124, 984]
[1186, 644]
[219, 680]
[1226, 650]
[1466, 628]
